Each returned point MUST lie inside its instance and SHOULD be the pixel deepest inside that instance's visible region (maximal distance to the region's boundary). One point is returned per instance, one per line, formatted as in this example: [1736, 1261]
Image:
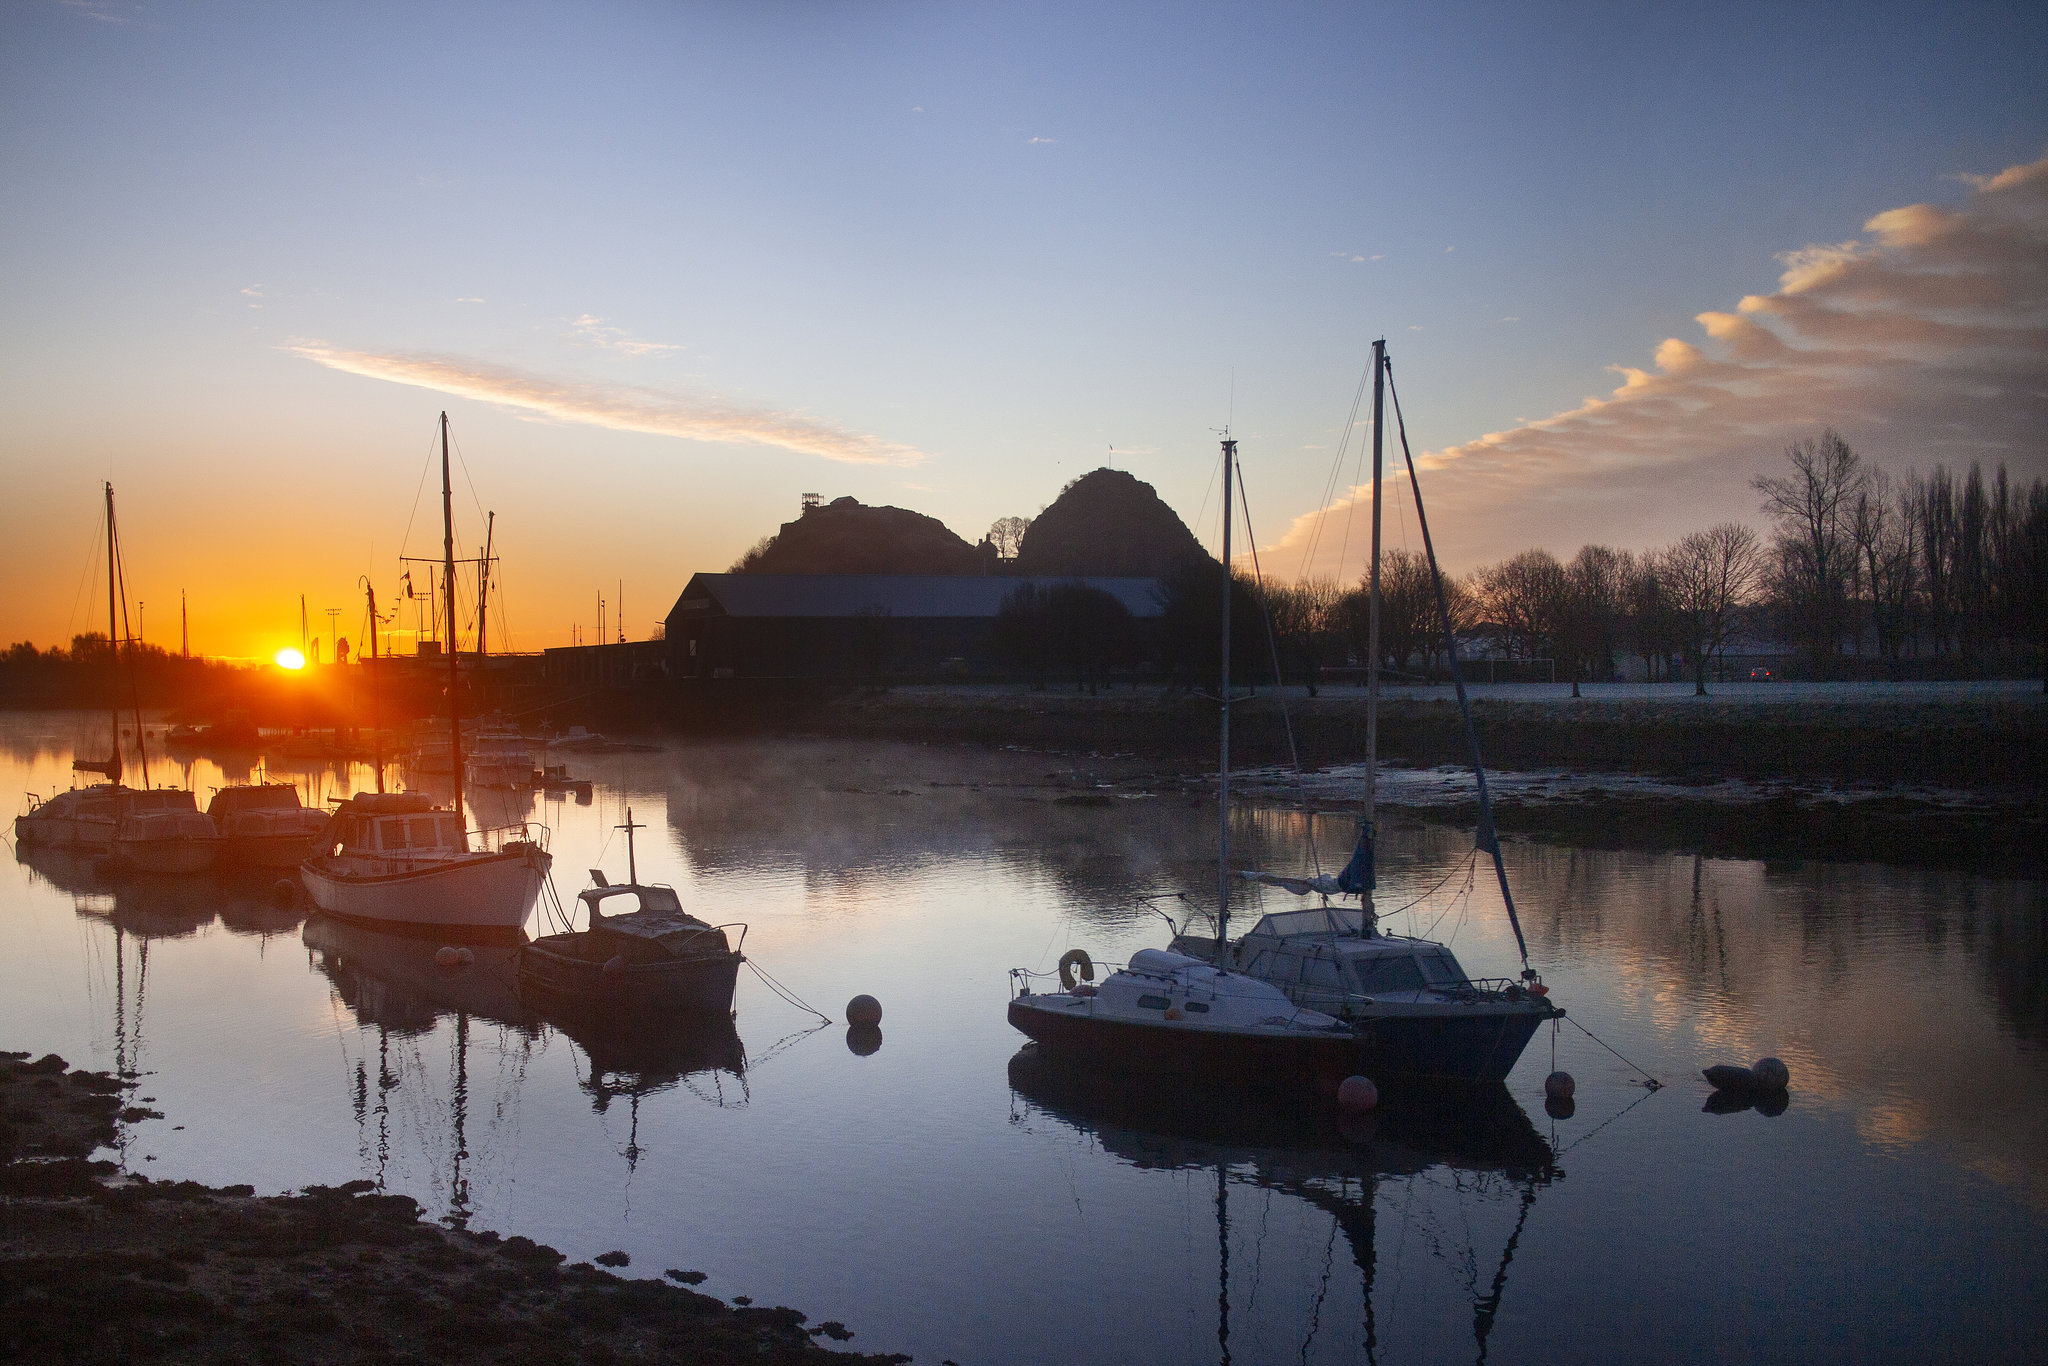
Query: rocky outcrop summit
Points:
[846, 536]
[1111, 524]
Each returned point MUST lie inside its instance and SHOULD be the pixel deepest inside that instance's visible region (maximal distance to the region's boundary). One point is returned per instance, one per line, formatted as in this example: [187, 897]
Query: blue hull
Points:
[1464, 1048]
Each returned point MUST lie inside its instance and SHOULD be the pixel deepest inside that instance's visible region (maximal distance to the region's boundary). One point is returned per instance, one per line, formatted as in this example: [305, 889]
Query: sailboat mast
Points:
[448, 591]
[376, 736]
[1372, 630]
[1223, 761]
[483, 603]
[113, 653]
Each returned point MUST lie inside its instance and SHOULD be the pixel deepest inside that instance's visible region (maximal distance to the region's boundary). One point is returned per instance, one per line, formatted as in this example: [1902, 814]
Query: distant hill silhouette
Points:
[847, 536]
[1108, 523]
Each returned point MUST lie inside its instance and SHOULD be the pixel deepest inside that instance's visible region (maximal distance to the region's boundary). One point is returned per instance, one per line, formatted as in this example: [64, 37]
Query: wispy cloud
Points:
[1924, 340]
[592, 331]
[469, 301]
[621, 408]
[1040, 142]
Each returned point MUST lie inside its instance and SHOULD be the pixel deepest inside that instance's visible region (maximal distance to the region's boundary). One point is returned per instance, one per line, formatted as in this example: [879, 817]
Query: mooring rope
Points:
[1648, 1080]
[786, 994]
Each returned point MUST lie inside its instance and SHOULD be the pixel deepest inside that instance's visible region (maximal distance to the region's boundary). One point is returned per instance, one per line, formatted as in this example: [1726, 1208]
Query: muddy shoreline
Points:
[100, 1265]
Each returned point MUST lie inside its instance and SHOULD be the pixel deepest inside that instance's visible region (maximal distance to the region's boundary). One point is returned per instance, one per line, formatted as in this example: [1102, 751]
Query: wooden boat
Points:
[263, 825]
[654, 958]
[396, 859]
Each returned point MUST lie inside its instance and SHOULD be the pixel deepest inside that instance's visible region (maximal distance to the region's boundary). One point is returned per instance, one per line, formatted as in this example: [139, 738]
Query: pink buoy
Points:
[1356, 1095]
[1771, 1074]
[864, 1011]
[1560, 1086]
[465, 955]
[614, 967]
[447, 957]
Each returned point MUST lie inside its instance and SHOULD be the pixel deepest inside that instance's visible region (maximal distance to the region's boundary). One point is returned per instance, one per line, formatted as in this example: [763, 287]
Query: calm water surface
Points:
[946, 1199]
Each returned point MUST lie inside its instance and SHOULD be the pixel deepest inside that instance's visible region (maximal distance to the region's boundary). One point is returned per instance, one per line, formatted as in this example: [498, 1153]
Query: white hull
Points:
[174, 854]
[84, 833]
[269, 851]
[476, 891]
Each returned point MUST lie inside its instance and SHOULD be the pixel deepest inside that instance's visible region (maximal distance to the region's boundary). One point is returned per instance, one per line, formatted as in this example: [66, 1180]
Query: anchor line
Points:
[786, 994]
[1648, 1080]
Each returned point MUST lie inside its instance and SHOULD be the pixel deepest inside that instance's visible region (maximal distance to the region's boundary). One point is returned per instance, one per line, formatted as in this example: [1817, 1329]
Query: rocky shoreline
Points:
[98, 1265]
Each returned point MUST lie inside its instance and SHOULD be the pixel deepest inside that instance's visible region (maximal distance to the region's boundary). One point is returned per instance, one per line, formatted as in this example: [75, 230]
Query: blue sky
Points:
[936, 256]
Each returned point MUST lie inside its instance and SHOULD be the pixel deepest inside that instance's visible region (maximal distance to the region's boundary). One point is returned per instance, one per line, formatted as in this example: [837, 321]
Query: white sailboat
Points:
[1172, 1015]
[397, 859]
[1419, 1015]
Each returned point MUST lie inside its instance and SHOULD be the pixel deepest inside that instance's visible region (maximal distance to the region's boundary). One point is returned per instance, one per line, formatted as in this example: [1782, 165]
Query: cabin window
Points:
[1197, 1008]
[1380, 975]
[1155, 1002]
[1320, 972]
[1439, 969]
[391, 835]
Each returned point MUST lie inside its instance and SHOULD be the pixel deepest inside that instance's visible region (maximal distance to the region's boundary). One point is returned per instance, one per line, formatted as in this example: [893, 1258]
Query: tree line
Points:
[1945, 573]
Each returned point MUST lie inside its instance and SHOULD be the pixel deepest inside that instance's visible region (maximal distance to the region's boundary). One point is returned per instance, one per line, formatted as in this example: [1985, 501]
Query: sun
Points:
[289, 659]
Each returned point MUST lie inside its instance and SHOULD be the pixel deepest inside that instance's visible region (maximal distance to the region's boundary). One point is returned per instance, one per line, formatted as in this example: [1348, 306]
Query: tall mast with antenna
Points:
[1372, 630]
[448, 592]
[376, 736]
[1223, 762]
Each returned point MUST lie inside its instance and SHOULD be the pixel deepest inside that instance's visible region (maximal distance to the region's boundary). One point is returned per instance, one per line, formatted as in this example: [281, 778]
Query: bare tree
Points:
[1520, 599]
[1706, 577]
[1589, 606]
[1816, 555]
[1307, 622]
[1880, 525]
[1006, 534]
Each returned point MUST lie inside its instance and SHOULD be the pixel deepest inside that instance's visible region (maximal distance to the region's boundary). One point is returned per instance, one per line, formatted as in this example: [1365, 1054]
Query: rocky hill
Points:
[847, 536]
[1107, 523]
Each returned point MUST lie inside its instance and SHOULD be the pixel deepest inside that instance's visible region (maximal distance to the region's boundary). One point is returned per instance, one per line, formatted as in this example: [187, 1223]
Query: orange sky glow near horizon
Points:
[1658, 264]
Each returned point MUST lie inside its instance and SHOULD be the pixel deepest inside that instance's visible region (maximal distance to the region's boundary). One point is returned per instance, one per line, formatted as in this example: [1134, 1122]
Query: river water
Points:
[942, 1197]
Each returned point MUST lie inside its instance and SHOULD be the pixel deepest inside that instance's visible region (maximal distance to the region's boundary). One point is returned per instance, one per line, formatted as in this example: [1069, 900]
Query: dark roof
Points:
[895, 595]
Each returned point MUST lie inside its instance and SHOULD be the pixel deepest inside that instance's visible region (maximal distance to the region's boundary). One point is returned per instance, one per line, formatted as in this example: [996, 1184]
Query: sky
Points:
[669, 267]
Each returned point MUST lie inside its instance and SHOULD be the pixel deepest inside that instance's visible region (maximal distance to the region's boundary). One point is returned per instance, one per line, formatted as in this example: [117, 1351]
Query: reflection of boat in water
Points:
[1475, 1136]
[393, 979]
[148, 906]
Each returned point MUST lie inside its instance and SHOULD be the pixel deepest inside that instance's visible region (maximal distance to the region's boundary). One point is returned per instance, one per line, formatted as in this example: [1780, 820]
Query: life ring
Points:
[1072, 959]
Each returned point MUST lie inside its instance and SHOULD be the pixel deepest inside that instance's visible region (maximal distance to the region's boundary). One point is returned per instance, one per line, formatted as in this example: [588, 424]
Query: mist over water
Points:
[945, 1199]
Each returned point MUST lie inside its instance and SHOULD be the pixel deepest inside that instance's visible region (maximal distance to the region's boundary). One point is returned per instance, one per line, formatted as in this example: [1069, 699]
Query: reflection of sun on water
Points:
[290, 659]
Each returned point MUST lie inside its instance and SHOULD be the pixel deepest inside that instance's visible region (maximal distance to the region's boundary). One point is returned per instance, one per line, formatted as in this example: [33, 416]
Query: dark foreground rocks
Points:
[100, 1266]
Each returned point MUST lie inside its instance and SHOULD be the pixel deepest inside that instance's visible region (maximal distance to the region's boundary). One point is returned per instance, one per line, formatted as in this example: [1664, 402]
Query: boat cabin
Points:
[648, 916]
[233, 801]
[398, 826]
[1325, 961]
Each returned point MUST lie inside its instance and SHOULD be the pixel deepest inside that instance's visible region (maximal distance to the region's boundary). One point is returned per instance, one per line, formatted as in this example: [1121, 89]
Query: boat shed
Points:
[857, 625]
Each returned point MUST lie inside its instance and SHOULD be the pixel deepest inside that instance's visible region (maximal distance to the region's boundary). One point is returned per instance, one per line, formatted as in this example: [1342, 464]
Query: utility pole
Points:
[184, 628]
[622, 633]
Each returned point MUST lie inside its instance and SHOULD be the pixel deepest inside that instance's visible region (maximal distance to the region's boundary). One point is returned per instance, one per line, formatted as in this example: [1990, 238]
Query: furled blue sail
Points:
[1358, 876]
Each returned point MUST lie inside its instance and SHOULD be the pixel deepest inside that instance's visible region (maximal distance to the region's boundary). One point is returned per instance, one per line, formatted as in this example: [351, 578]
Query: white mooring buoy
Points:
[447, 956]
[864, 1010]
[1356, 1095]
[1771, 1074]
[1560, 1086]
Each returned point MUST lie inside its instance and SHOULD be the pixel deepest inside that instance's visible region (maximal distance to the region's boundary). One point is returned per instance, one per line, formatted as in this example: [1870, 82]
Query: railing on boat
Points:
[495, 839]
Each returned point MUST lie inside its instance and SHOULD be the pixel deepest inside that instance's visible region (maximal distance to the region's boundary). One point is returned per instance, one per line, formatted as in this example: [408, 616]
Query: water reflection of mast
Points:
[458, 1184]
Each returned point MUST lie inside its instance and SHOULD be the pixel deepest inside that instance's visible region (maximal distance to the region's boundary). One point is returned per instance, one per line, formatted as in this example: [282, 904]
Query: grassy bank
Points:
[1964, 743]
[101, 1266]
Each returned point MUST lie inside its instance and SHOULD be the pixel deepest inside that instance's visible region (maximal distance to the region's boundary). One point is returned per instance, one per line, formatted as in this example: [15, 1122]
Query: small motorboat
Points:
[262, 825]
[648, 957]
[162, 831]
[1166, 1015]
